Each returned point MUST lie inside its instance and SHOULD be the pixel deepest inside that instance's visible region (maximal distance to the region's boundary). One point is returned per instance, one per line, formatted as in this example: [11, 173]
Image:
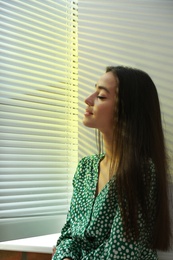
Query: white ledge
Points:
[40, 244]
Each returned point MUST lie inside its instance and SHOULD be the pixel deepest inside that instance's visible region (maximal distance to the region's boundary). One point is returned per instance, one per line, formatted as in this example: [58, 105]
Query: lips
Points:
[88, 112]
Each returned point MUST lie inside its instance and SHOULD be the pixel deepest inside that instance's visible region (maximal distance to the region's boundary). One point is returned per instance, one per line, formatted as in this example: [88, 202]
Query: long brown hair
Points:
[139, 144]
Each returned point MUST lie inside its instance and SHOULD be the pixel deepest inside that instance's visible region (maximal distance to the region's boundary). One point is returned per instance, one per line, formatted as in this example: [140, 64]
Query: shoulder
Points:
[150, 169]
[150, 178]
[87, 165]
[88, 161]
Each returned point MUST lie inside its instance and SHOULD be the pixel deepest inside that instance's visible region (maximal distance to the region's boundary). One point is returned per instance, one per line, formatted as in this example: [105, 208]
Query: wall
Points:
[134, 33]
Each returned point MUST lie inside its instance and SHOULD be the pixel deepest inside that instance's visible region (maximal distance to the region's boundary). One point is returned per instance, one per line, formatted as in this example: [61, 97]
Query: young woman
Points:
[119, 208]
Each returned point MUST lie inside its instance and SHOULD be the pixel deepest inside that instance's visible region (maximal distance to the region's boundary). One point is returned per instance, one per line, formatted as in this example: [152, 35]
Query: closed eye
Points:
[100, 97]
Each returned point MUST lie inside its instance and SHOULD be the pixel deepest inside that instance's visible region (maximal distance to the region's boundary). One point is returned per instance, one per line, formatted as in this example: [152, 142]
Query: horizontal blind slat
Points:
[39, 91]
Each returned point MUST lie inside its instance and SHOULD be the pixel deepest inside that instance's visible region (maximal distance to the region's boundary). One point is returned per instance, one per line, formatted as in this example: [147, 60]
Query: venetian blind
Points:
[38, 103]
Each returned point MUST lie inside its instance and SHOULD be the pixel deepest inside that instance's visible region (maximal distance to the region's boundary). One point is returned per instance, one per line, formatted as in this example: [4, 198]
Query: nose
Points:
[89, 100]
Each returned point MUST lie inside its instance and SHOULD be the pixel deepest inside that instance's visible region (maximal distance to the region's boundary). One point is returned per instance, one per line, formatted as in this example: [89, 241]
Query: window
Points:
[38, 93]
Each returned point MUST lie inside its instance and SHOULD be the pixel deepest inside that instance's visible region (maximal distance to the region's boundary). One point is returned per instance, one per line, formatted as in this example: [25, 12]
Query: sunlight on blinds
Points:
[39, 117]
[131, 33]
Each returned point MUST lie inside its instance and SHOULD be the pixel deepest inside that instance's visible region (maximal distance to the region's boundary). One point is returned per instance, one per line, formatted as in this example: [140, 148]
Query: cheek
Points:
[104, 110]
[110, 113]
[100, 109]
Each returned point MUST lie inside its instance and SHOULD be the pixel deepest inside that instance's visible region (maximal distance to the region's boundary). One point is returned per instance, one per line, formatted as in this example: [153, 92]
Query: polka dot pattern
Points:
[94, 228]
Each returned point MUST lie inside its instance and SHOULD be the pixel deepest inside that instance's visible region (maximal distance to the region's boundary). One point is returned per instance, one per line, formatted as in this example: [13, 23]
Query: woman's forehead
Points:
[108, 80]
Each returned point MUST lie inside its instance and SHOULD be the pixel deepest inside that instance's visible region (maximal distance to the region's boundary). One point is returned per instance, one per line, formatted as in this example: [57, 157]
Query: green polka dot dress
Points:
[93, 228]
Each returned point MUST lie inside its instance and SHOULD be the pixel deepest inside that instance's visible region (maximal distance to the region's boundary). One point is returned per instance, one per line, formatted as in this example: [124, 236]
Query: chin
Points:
[87, 124]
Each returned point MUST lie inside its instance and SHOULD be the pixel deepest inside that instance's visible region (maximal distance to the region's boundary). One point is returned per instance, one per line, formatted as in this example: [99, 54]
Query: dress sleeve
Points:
[67, 247]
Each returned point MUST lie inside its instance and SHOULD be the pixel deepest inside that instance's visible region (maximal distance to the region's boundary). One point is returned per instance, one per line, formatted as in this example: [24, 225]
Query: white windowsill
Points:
[44, 244]
[40, 244]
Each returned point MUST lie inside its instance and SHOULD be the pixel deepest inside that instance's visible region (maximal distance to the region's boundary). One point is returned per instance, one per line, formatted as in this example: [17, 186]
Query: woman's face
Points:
[100, 109]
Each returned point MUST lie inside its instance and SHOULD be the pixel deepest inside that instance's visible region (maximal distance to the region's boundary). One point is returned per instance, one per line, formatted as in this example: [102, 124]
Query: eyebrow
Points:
[102, 87]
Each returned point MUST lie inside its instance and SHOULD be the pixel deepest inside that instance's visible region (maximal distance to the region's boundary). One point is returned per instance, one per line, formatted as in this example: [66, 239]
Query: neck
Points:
[107, 140]
[108, 160]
